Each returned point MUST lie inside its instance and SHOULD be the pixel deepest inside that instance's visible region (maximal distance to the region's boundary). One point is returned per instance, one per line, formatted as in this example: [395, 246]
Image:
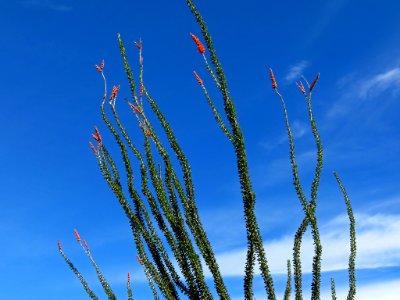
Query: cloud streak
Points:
[296, 70]
[388, 290]
[365, 88]
[380, 83]
[384, 251]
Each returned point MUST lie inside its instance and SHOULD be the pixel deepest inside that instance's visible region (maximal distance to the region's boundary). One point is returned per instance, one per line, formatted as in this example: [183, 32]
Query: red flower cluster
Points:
[301, 87]
[78, 237]
[114, 92]
[198, 78]
[200, 46]
[314, 82]
[139, 260]
[86, 246]
[97, 138]
[100, 69]
[274, 84]
[135, 108]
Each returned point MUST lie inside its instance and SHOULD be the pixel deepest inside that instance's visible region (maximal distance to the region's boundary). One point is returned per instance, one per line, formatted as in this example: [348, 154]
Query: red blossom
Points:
[129, 278]
[301, 87]
[139, 260]
[198, 78]
[114, 92]
[93, 147]
[101, 67]
[200, 46]
[314, 82]
[274, 84]
[59, 246]
[86, 246]
[97, 136]
[78, 237]
[135, 108]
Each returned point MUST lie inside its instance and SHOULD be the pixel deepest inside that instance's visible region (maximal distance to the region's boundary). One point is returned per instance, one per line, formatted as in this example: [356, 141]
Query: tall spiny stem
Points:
[255, 244]
[353, 245]
[309, 211]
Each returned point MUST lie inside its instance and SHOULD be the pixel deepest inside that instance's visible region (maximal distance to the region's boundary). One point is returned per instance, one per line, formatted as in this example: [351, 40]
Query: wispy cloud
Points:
[47, 5]
[380, 83]
[388, 290]
[367, 87]
[384, 251]
[296, 70]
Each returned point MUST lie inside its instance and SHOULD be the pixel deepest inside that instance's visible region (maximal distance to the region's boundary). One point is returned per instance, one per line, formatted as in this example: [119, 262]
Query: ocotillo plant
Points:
[170, 239]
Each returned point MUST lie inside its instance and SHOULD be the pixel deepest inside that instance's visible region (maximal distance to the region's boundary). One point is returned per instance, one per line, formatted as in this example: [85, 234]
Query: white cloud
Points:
[367, 87]
[384, 251]
[387, 290]
[380, 83]
[295, 71]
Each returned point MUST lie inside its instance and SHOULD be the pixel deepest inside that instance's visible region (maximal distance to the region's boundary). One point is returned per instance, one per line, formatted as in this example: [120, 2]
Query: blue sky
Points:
[50, 93]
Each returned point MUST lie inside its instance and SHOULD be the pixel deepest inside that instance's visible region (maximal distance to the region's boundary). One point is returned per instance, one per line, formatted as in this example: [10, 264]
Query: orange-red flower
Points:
[135, 108]
[139, 260]
[86, 246]
[114, 92]
[274, 84]
[100, 69]
[78, 237]
[314, 82]
[97, 136]
[93, 147]
[200, 46]
[198, 78]
[301, 87]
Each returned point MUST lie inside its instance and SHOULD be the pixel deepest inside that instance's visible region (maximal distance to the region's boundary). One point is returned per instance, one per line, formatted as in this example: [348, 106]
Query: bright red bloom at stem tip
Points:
[301, 87]
[114, 92]
[86, 246]
[93, 147]
[139, 260]
[101, 67]
[314, 82]
[78, 237]
[135, 108]
[198, 78]
[97, 136]
[200, 46]
[274, 84]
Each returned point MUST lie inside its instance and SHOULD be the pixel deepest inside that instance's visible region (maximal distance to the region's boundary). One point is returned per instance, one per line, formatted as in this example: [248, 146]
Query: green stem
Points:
[353, 244]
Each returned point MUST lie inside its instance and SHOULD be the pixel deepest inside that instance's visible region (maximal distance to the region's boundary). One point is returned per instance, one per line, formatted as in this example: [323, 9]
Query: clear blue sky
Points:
[50, 97]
